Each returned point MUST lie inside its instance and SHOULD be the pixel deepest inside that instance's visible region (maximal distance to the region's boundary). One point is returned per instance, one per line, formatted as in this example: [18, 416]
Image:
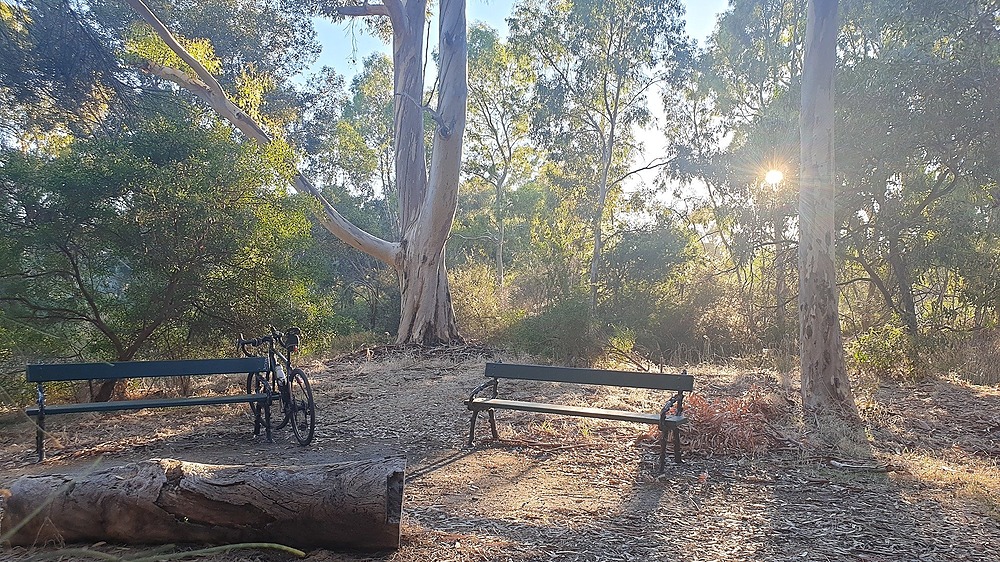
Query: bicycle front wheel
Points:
[302, 407]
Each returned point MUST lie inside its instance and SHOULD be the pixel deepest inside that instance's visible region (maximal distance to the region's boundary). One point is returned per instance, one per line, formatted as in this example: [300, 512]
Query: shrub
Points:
[733, 424]
[483, 312]
[564, 333]
[880, 352]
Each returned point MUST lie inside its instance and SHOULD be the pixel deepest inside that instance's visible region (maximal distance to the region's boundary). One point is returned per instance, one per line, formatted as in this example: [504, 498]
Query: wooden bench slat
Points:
[143, 369]
[116, 405]
[544, 408]
[630, 379]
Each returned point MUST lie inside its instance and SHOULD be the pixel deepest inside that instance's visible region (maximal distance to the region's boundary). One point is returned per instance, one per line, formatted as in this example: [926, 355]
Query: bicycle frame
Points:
[292, 388]
[288, 341]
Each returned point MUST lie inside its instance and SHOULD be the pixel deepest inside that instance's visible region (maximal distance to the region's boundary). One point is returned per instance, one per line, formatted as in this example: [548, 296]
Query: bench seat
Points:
[581, 411]
[148, 403]
[41, 374]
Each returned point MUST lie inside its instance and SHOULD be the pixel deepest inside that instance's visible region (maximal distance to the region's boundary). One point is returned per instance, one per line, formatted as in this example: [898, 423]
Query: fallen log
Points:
[351, 505]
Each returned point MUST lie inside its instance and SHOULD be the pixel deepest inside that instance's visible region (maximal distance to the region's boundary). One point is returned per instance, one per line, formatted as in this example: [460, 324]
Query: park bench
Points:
[666, 422]
[41, 374]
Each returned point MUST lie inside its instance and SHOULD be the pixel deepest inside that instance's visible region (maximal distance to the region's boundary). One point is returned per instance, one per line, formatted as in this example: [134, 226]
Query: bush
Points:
[564, 333]
[733, 424]
[880, 352]
[483, 312]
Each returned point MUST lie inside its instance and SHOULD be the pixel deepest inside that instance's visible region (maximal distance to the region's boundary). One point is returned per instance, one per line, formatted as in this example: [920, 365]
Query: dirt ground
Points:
[925, 487]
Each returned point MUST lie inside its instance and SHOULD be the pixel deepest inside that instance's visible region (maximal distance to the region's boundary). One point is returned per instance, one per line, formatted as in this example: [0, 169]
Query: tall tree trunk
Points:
[501, 225]
[426, 312]
[408, 111]
[824, 375]
[602, 200]
[427, 201]
[907, 305]
[780, 288]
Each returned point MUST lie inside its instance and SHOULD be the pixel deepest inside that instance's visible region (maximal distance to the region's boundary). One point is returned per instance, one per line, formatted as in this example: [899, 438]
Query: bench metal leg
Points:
[40, 437]
[493, 424]
[267, 420]
[663, 447]
[664, 434]
[472, 427]
[677, 444]
[256, 417]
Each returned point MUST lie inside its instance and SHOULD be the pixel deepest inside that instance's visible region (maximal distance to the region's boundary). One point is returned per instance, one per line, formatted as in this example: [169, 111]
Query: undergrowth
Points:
[735, 424]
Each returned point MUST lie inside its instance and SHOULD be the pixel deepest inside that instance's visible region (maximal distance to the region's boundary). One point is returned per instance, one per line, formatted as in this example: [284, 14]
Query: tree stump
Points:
[354, 505]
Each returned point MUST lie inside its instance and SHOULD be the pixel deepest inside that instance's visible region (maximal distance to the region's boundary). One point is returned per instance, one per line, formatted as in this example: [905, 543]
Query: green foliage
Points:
[566, 333]
[143, 44]
[161, 241]
[53, 74]
[482, 310]
[881, 352]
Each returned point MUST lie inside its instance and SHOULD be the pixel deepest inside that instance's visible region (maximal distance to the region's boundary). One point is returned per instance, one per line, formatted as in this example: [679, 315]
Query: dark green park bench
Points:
[663, 419]
[41, 374]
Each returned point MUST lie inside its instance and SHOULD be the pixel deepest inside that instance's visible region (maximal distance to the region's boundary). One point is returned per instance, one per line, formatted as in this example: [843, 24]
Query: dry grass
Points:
[977, 362]
[957, 479]
[728, 425]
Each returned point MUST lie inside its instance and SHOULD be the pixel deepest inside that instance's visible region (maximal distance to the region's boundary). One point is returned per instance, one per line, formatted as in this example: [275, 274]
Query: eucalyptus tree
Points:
[920, 127]
[598, 61]
[427, 194]
[754, 56]
[498, 137]
[168, 231]
[825, 384]
[53, 87]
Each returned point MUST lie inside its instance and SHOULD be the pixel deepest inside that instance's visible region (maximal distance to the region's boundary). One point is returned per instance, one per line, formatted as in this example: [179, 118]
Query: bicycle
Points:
[288, 385]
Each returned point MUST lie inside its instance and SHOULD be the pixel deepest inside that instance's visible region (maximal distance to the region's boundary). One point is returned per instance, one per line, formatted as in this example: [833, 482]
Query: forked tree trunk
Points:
[427, 200]
[824, 375]
[602, 199]
[352, 505]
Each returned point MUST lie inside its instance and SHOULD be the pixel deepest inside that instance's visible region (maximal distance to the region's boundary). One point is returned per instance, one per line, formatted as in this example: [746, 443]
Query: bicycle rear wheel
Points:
[302, 407]
[255, 385]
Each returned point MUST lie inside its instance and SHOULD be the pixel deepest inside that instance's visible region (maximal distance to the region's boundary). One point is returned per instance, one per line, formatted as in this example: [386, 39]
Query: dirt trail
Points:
[570, 489]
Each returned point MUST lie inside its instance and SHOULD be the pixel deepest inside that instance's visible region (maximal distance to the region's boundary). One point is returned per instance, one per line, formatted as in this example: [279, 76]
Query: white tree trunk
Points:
[427, 202]
[824, 375]
[354, 505]
[426, 314]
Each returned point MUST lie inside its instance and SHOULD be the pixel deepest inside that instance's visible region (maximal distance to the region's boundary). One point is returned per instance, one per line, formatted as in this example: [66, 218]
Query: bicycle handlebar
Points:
[288, 340]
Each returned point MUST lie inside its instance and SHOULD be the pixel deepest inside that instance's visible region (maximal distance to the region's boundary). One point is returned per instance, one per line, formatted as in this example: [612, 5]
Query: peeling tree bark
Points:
[353, 505]
[825, 385]
[427, 200]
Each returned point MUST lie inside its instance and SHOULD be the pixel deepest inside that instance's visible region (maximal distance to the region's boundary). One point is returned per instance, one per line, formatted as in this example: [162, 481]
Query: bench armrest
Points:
[490, 384]
[676, 402]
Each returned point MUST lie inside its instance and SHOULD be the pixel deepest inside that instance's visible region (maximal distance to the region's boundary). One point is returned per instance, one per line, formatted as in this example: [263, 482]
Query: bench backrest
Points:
[682, 382]
[142, 369]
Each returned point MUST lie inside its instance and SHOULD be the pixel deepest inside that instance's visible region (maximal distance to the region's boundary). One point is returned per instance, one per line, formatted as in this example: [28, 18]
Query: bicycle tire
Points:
[255, 384]
[302, 407]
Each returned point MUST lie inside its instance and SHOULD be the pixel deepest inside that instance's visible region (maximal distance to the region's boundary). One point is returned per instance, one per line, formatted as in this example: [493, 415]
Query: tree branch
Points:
[364, 10]
[210, 91]
[161, 30]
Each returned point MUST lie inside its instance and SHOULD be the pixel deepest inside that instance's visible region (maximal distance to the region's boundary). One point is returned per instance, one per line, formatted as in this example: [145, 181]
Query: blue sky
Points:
[345, 45]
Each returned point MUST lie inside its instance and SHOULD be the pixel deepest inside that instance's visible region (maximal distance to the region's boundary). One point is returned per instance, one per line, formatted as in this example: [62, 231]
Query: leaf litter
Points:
[756, 484]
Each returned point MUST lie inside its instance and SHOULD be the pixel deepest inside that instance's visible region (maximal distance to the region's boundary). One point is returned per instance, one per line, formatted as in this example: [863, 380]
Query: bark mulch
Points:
[920, 480]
